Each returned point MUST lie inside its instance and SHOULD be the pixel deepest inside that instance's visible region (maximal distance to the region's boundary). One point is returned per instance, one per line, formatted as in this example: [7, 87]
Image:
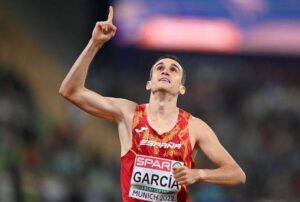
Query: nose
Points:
[165, 72]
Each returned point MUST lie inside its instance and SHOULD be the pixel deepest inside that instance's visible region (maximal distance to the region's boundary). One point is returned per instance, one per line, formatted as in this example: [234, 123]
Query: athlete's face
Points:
[166, 76]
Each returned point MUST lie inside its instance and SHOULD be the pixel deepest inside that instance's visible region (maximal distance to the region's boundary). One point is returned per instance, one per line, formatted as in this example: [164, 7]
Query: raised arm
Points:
[228, 172]
[73, 86]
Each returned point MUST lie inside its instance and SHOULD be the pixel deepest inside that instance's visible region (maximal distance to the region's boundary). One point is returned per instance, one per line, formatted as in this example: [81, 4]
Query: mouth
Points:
[164, 80]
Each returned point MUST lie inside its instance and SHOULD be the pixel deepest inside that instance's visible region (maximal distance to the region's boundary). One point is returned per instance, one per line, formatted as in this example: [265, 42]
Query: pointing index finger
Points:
[110, 14]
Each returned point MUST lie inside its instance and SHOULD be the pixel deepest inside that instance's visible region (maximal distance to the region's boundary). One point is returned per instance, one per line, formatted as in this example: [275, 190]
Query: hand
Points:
[184, 175]
[104, 30]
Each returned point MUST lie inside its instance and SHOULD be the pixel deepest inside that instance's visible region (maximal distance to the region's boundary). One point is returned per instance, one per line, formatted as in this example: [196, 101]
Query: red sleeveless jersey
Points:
[173, 145]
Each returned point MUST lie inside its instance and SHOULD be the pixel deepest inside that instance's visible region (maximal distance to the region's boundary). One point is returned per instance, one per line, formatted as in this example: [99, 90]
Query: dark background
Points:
[51, 151]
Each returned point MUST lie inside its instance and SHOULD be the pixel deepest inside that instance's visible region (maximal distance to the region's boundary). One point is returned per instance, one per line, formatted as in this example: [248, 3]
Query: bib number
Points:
[152, 179]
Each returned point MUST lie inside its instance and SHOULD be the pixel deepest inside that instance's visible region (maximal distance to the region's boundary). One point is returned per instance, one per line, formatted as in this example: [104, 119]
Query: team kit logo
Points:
[152, 179]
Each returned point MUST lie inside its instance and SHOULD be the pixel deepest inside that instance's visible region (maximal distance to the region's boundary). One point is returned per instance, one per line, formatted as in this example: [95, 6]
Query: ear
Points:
[148, 85]
[182, 90]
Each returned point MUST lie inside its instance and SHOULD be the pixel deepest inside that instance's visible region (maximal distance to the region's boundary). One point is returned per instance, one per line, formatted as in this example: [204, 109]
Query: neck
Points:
[162, 104]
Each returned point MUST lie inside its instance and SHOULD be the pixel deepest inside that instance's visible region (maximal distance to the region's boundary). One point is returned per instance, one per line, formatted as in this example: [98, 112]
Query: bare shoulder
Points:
[197, 124]
[123, 103]
[127, 107]
[200, 130]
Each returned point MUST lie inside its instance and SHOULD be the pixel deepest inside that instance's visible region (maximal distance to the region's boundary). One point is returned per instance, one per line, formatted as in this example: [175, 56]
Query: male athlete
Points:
[157, 139]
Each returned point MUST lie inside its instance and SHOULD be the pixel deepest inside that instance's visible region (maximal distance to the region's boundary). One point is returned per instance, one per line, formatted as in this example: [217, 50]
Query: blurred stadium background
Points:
[243, 65]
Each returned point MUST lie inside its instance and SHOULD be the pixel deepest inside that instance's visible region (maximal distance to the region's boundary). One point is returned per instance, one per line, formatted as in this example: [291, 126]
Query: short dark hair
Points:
[183, 79]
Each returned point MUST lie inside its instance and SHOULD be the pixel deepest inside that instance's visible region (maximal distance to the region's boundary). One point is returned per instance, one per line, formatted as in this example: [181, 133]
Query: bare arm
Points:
[228, 171]
[73, 86]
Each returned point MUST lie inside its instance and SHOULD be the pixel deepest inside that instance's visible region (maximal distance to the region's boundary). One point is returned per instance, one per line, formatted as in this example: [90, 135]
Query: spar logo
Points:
[154, 163]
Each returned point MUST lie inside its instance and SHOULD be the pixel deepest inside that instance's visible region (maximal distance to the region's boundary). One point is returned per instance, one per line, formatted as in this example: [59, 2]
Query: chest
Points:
[173, 144]
[162, 126]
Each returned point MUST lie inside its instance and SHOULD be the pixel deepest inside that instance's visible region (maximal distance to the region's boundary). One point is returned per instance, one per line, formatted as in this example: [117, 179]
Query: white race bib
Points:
[152, 179]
